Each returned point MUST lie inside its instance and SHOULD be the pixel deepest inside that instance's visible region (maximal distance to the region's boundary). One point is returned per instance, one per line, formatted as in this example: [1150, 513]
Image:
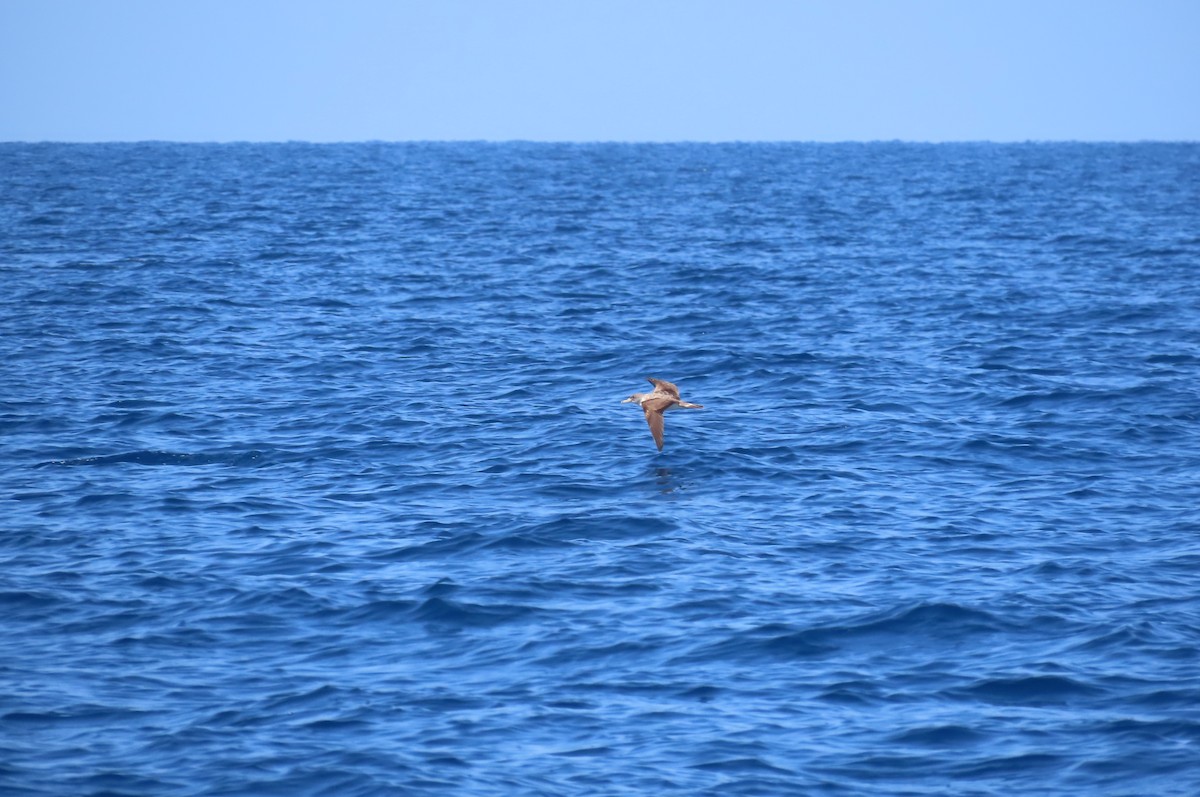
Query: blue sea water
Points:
[315, 478]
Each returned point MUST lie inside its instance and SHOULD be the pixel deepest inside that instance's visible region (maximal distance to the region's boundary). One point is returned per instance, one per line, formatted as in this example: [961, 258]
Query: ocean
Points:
[316, 479]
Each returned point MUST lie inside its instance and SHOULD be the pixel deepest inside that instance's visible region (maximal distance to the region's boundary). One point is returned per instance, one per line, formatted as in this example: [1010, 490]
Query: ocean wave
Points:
[316, 478]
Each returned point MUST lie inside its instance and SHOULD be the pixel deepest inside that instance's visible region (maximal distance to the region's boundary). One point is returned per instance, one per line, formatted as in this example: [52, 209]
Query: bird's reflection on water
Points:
[666, 482]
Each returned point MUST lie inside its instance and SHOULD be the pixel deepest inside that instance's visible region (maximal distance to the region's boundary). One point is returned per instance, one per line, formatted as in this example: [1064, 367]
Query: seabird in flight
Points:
[665, 396]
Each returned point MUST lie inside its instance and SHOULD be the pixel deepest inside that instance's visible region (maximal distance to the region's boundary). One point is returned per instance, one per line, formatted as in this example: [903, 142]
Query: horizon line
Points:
[599, 141]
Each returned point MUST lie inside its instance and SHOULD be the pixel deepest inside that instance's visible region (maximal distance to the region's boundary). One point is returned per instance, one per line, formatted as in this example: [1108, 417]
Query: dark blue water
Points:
[315, 479]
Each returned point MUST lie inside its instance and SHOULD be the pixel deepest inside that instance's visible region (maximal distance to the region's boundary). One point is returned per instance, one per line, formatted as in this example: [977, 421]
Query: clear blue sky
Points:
[587, 70]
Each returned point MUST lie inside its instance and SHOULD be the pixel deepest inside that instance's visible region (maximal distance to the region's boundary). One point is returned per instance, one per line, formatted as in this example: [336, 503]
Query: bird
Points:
[665, 396]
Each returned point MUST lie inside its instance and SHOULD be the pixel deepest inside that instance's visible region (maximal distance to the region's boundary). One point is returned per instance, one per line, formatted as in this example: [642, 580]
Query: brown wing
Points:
[654, 417]
[664, 386]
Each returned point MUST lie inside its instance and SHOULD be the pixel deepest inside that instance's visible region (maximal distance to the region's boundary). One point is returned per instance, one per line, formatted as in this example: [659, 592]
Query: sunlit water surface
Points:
[316, 481]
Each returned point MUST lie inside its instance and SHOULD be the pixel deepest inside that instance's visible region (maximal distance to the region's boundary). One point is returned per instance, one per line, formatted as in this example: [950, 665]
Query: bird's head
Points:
[636, 398]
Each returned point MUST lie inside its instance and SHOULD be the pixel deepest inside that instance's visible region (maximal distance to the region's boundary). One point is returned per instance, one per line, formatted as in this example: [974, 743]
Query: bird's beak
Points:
[626, 401]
